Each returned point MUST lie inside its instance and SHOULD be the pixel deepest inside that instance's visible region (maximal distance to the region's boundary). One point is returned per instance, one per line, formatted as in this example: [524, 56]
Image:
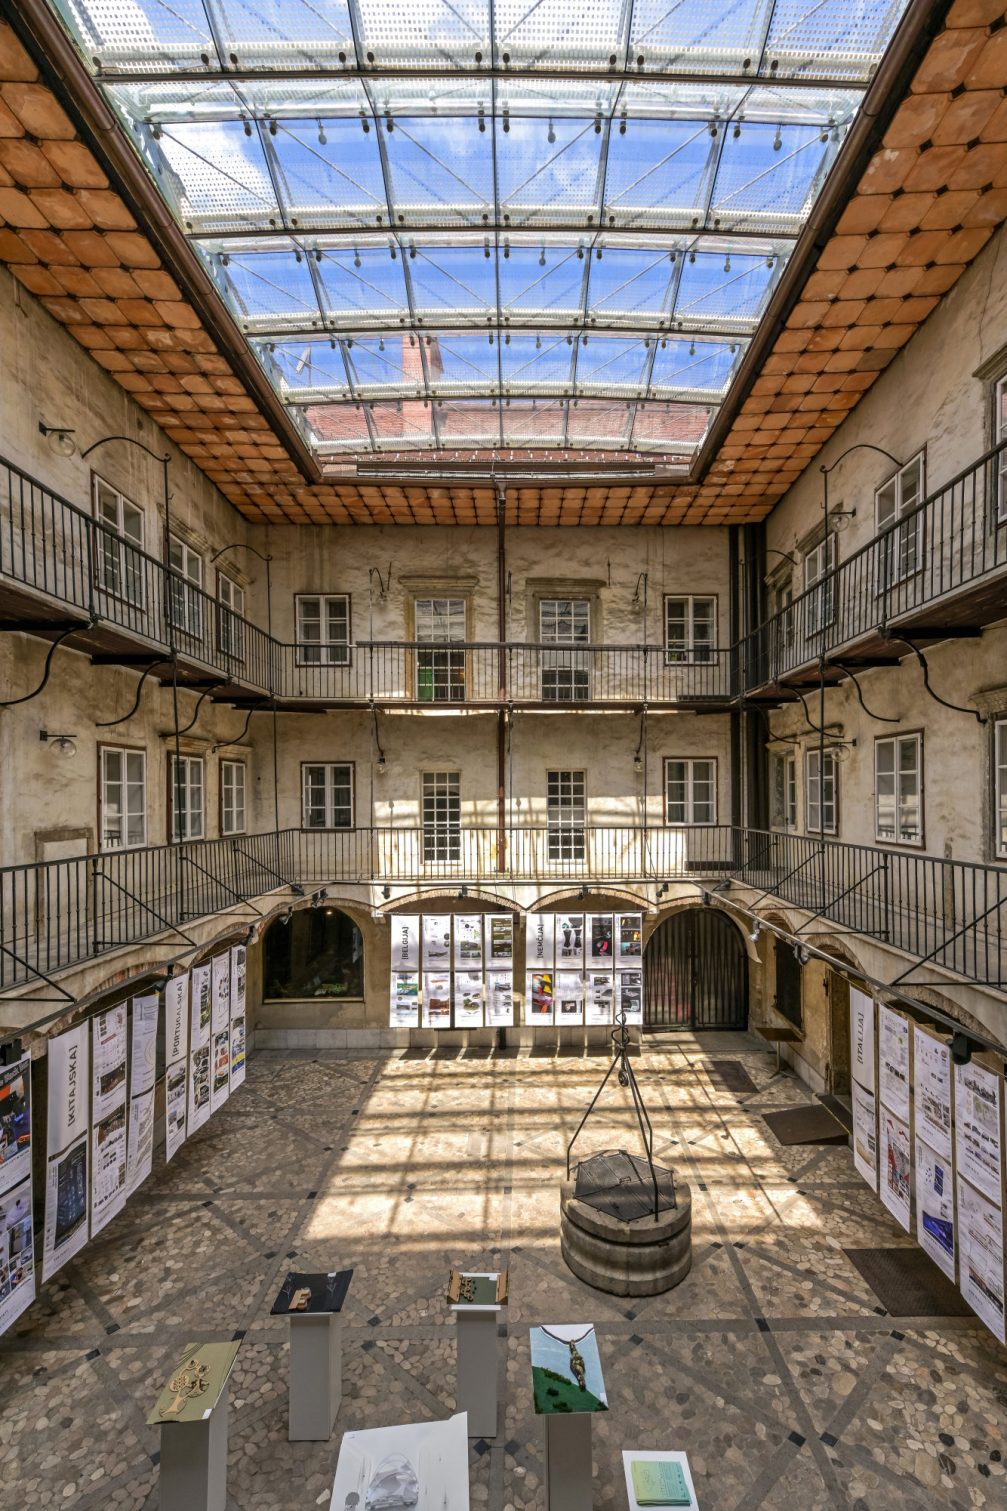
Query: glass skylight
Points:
[451, 224]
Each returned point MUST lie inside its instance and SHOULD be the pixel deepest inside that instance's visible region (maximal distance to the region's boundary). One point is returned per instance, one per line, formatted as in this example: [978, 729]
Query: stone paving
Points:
[774, 1364]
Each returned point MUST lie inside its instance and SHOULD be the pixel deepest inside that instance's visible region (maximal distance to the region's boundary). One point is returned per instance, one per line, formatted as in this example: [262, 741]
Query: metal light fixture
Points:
[756, 932]
[801, 955]
[60, 438]
[62, 744]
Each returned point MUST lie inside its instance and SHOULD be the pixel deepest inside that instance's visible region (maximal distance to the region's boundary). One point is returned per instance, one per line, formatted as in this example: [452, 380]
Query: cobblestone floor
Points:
[774, 1364]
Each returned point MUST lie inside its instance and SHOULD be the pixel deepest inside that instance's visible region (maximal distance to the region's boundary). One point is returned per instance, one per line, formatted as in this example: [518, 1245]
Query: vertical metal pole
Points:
[502, 681]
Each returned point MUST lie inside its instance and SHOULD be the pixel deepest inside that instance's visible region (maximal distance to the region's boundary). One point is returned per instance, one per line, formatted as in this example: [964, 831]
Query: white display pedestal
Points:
[193, 1469]
[477, 1368]
[568, 1475]
[675, 1455]
[316, 1375]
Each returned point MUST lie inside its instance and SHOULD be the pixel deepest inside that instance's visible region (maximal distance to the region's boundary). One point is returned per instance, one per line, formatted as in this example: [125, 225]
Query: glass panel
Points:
[441, 815]
[566, 675]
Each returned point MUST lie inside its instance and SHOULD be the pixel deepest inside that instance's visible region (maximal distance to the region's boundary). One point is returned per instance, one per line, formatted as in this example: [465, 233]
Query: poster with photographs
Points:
[239, 969]
[932, 1090]
[600, 998]
[629, 941]
[896, 1168]
[468, 936]
[220, 1030]
[935, 1207]
[981, 1257]
[498, 935]
[109, 1116]
[540, 934]
[176, 1096]
[404, 1005]
[199, 1052]
[865, 1135]
[568, 1003]
[176, 1019]
[569, 942]
[893, 1061]
[538, 1004]
[67, 1187]
[862, 1038]
[200, 1020]
[499, 999]
[176, 1063]
[599, 930]
[142, 1068]
[405, 929]
[978, 1092]
[15, 1123]
[220, 992]
[468, 988]
[437, 999]
[630, 988]
[108, 1061]
[437, 941]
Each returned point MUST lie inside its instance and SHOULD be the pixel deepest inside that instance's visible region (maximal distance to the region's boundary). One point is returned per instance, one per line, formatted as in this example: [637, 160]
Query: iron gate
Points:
[696, 972]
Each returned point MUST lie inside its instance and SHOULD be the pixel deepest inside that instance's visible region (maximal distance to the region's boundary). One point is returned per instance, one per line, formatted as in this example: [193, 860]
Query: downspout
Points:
[502, 680]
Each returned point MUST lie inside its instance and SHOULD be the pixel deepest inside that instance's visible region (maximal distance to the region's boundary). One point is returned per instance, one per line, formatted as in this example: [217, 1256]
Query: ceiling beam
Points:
[374, 73]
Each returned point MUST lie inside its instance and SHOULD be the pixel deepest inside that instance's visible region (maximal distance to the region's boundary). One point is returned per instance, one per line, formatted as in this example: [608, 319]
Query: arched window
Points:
[318, 953]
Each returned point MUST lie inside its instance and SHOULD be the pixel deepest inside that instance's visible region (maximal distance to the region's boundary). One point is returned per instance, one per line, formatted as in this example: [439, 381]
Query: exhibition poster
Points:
[142, 1068]
[499, 999]
[199, 1055]
[405, 942]
[896, 1168]
[239, 967]
[176, 1095]
[935, 1209]
[630, 985]
[499, 937]
[468, 937]
[865, 1134]
[539, 998]
[599, 939]
[109, 1116]
[569, 998]
[893, 1061]
[220, 992]
[862, 1038]
[978, 1092]
[15, 1123]
[981, 1257]
[566, 1369]
[540, 941]
[932, 1090]
[600, 998]
[629, 940]
[569, 942]
[176, 1061]
[468, 999]
[405, 999]
[67, 1187]
[220, 1029]
[436, 941]
[17, 1253]
[437, 999]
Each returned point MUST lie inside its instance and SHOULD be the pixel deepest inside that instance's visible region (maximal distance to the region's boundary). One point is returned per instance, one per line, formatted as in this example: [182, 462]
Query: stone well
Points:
[609, 1235]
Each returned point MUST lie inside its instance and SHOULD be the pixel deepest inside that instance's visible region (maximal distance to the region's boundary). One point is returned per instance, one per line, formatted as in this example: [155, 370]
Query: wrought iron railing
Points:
[57, 914]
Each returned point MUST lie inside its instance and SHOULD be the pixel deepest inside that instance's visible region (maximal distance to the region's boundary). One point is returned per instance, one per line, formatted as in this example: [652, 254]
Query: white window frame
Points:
[230, 617]
[233, 797]
[320, 610]
[566, 670]
[790, 793]
[900, 554]
[830, 807]
[185, 588]
[820, 585]
[566, 814]
[1000, 434]
[441, 816]
[119, 545]
[1000, 788]
[123, 808]
[906, 773]
[691, 783]
[691, 648]
[434, 655]
[310, 785]
[193, 785]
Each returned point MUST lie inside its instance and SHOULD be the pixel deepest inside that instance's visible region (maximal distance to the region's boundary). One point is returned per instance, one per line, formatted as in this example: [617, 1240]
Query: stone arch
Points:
[599, 898]
[475, 900]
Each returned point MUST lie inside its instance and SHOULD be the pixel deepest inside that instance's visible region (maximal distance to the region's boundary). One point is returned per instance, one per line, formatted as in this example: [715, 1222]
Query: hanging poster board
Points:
[109, 1115]
[405, 929]
[239, 972]
[978, 1116]
[468, 998]
[176, 1063]
[437, 999]
[142, 1070]
[896, 1168]
[981, 1256]
[569, 942]
[540, 942]
[199, 1049]
[630, 988]
[600, 998]
[468, 940]
[538, 1006]
[628, 941]
[499, 999]
[17, 1252]
[935, 1207]
[498, 933]
[893, 1060]
[599, 929]
[220, 1023]
[404, 1005]
[862, 1046]
[932, 1089]
[67, 1186]
[568, 1002]
[436, 941]
[865, 1134]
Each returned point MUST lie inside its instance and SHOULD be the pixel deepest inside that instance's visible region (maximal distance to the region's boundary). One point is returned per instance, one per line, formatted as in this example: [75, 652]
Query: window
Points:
[690, 629]
[566, 675]
[123, 818]
[565, 814]
[232, 797]
[898, 789]
[819, 564]
[820, 792]
[185, 595]
[1000, 435]
[442, 815]
[1000, 786]
[185, 797]
[230, 617]
[327, 796]
[690, 791]
[789, 977]
[901, 548]
[118, 558]
[784, 792]
[318, 952]
[323, 629]
[440, 673]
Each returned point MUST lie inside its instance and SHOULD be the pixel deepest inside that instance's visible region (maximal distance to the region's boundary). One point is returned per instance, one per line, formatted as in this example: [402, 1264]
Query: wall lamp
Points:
[756, 933]
[287, 916]
[583, 890]
[961, 1048]
[317, 898]
[801, 955]
[463, 891]
[386, 891]
[62, 744]
[664, 887]
[60, 438]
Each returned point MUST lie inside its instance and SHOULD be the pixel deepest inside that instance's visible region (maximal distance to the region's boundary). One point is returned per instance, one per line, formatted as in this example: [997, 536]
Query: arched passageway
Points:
[696, 972]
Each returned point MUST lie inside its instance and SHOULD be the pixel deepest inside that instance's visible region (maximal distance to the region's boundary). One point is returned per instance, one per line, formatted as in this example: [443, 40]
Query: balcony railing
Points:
[56, 914]
[951, 540]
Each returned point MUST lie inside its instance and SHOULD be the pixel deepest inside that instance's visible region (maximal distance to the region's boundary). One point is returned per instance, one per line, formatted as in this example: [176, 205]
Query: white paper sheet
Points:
[865, 1138]
[17, 1253]
[896, 1168]
[600, 998]
[239, 967]
[629, 985]
[540, 941]
[199, 1030]
[176, 1096]
[176, 1019]
[437, 999]
[436, 941]
[981, 1257]
[539, 997]
[108, 1167]
[15, 1123]
[932, 1091]
[468, 941]
[499, 999]
[935, 1207]
[68, 1186]
[568, 942]
[977, 1129]
[404, 1000]
[893, 1061]
[628, 941]
[108, 1062]
[568, 1001]
[140, 1146]
[405, 929]
[599, 930]
[220, 992]
[862, 1046]
[498, 936]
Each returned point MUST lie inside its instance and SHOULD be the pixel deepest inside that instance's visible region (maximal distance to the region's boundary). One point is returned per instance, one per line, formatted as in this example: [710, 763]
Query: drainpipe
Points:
[502, 680]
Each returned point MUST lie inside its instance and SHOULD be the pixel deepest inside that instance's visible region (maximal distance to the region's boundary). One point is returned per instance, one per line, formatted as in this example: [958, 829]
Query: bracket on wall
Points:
[110, 723]
[295, 886]
[13, 702]
[64, 995]
[173, 927]
[882, 718]
[955, 707]
[217, 881]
